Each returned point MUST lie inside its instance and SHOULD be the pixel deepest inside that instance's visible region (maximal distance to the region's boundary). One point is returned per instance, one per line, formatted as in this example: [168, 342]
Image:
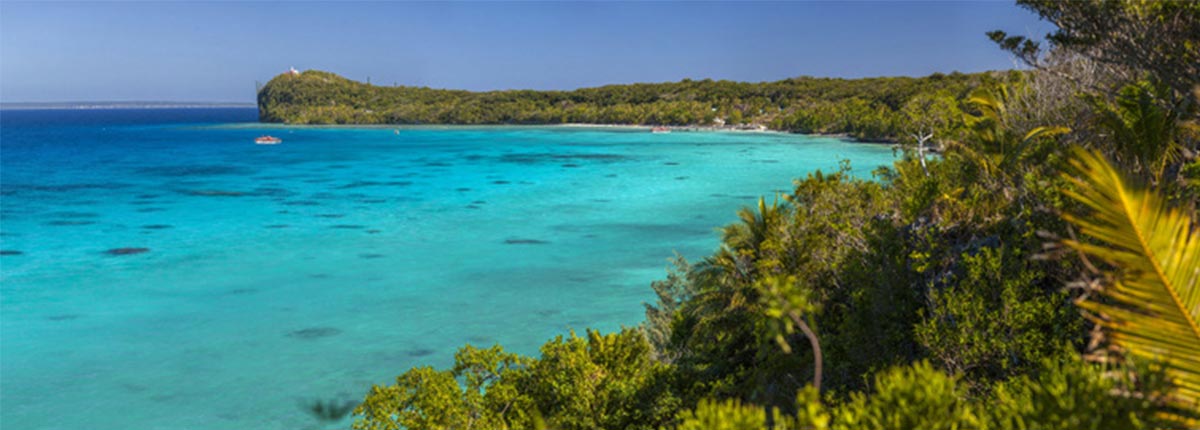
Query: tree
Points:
[1130, 37]
[930, 116]
[788, 304]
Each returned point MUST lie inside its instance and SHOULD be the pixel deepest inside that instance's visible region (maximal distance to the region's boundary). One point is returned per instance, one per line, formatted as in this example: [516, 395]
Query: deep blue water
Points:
[337, 259]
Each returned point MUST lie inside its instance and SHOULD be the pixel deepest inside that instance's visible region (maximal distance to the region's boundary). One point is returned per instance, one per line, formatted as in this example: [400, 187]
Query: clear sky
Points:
[187, 51]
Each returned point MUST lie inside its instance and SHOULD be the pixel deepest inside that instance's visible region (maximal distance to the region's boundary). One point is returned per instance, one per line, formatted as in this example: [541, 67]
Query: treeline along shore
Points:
[871, 109]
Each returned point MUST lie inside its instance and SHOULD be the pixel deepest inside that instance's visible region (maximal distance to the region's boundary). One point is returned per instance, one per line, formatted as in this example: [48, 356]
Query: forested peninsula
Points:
[867, 109]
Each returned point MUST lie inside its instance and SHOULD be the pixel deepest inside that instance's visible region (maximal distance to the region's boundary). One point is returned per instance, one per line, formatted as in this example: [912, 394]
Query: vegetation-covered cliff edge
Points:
[872, 108]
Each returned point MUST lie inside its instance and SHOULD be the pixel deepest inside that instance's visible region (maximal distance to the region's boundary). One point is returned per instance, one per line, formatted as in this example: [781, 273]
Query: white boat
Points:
[267, 140]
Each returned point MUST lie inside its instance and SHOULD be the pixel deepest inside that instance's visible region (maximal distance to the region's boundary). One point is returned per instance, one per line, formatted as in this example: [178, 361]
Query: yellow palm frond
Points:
[1044, 132]
[1153, 305]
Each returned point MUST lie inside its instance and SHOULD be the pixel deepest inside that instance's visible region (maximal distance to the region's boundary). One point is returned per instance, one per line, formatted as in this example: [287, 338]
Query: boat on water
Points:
[267, 140]
[660, 130]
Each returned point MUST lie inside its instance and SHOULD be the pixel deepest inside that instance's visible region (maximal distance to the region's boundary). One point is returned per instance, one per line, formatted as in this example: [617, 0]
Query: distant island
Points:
[876, 109]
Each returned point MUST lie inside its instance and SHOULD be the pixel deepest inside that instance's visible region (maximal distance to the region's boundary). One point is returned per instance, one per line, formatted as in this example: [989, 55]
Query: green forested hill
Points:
[873, 108]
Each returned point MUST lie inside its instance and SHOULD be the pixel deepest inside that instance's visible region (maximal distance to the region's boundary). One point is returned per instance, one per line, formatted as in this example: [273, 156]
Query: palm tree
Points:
[1144, 131]
[999, 146]
[725, 279]
[1151, 305]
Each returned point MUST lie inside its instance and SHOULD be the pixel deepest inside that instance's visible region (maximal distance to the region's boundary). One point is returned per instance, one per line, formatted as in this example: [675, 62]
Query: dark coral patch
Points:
[10, 252]
[571, 165]
[157, 226]
[272, 192]
[670, 163]
[74, 215]
[680, 178]
[9, 189]
[186, 171]
[348, 226]
[63, 317]
[331, 215]
[545, 158]
[525, 242]
[301, 203]
[65, 222]
[214, 193]
[148, 210]
[315, 333]
[420, 352]
[275, 226]
[501, 182]
[127, 251]
[370, 256]
[360, 184]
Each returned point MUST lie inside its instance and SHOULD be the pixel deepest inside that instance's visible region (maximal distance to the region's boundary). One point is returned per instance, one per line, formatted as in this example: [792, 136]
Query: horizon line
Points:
[128, 104]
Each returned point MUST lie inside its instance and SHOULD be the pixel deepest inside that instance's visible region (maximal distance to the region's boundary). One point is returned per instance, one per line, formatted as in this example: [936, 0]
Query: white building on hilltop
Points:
[292, 71]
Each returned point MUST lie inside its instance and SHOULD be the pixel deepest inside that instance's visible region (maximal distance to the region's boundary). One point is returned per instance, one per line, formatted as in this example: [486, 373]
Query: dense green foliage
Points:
[598, 381]
[1066, 394]
[933, 295]
[876, 108]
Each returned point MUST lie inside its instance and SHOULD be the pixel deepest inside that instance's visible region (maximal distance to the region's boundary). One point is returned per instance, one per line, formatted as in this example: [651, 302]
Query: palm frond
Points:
[1153, 305]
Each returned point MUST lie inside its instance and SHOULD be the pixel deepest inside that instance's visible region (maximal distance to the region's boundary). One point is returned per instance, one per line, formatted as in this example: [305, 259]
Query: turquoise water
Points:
[337, 259]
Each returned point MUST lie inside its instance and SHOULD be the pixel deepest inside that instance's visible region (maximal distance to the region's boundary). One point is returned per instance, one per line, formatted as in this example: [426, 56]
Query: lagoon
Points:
[162, 271]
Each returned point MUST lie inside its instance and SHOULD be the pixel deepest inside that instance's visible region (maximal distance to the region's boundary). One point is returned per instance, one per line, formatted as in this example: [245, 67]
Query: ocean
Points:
[161, 271]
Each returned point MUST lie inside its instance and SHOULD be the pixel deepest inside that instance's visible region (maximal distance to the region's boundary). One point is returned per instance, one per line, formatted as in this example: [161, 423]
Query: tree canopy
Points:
[865, 108]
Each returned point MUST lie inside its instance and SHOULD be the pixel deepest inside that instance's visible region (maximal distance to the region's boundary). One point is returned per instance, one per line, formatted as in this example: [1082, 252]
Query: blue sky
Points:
[187, 51]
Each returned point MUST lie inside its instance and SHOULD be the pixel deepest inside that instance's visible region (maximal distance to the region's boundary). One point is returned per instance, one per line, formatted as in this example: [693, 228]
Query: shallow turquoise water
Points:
[338, 259]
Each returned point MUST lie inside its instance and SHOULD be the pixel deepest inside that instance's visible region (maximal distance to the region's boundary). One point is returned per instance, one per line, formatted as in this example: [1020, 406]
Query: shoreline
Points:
[575, 126]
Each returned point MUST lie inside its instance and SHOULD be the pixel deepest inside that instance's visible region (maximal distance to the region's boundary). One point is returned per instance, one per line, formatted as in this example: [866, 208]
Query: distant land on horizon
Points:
[873, 109]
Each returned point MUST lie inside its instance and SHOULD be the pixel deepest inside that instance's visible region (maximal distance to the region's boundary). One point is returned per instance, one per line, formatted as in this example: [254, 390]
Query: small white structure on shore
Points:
[292, 71]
